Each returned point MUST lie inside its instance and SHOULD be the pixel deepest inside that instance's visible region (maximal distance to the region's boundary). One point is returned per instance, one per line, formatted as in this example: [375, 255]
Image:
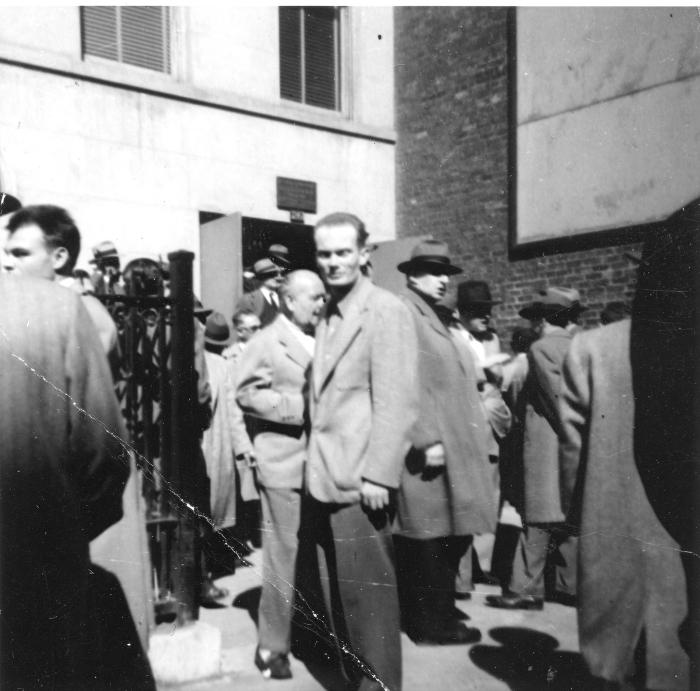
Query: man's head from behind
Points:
[341, 249]
[302, 298]
[43, 241]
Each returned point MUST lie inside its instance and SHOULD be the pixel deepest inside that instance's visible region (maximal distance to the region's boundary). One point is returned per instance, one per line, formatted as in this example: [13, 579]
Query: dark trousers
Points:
[426, 574]
[541, 548]
[355, 559]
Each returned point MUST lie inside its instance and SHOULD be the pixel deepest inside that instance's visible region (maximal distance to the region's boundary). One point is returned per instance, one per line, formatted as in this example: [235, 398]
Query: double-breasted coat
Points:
[461, 500]
[630, 574]
[541, 490]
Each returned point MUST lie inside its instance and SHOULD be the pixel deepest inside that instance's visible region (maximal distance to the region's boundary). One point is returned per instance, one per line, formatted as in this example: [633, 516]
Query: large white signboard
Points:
[607, 118]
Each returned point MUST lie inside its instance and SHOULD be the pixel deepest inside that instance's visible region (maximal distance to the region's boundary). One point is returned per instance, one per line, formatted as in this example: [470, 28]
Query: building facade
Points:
[616, 109]
[144, 121]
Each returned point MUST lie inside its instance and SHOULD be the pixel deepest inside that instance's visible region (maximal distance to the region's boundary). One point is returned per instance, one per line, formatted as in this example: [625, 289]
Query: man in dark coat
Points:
[264, 302]
[631, 582]
[447, 491]
[554, 317]
[62, 473]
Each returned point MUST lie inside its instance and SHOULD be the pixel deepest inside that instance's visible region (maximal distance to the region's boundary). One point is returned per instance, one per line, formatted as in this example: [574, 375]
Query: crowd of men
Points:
[384, 436]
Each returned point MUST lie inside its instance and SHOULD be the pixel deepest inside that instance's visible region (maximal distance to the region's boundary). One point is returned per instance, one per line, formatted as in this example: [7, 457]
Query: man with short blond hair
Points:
[362, 407]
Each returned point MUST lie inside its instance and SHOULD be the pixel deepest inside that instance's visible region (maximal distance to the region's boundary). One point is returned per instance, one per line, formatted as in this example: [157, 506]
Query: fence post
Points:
[184, 436]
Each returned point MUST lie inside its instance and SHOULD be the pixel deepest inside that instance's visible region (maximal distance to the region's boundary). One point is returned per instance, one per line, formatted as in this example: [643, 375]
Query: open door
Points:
[386, 255]
[221, 263]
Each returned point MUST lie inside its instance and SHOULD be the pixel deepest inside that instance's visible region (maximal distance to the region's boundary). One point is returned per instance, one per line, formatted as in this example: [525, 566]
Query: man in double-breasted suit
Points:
[272, 376]
[553, 315]
[363, 406]
[447, 491]
[631, 581]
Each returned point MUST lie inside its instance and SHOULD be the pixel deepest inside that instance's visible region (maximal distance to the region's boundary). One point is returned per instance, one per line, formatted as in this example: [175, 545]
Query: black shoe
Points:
[514, 601]
[452, 633]
[275, 667]
[463, 596]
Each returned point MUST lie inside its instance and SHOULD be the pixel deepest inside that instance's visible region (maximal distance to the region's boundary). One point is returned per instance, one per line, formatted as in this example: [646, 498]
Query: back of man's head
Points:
[58, 228]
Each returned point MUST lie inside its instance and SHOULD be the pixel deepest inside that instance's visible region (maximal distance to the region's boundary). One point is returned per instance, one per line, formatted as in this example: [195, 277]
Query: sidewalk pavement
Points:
[520, 650]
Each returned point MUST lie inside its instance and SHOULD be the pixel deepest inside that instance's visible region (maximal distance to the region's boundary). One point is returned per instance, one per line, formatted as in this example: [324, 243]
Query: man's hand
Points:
[435, 456]
[374, 497]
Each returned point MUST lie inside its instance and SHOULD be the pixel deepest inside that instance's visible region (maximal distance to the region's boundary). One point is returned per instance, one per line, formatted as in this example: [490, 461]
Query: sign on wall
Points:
[296, 195]
[606, 123]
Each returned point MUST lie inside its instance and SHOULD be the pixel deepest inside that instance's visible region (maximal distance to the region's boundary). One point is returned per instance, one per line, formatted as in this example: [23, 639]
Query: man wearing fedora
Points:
[264, 301]
[447, 491]
[552, 315]
[107, 277]
[226, 437]
[272, 378]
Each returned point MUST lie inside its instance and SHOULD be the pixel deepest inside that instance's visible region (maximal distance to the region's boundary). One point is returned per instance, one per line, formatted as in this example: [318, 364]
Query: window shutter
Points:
[319, 43]
[146, 37]
[99, 27]
[290, 53]
[131, 34]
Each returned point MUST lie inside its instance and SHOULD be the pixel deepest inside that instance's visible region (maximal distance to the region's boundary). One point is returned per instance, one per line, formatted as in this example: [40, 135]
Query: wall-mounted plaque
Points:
[296, 195]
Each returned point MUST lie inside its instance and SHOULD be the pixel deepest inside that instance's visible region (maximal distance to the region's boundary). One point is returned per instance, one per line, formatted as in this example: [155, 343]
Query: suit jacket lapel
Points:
[294, 349]
[349, 326]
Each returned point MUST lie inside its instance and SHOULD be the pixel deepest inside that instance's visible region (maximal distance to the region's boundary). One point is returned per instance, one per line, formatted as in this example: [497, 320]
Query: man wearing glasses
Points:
[264, 301]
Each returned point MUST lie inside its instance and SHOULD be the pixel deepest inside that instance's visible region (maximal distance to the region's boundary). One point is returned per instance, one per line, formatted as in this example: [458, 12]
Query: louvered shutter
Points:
[309, 55]
[145, 37]
[99, 31]
[290, 53]
[320, 63]
[134, 35]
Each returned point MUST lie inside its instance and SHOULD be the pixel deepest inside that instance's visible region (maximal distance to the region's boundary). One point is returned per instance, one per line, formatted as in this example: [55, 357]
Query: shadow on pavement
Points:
[528, 660]
[249, 600]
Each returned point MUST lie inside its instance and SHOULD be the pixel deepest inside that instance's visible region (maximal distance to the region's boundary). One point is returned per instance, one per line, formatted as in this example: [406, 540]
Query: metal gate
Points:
[155, 381]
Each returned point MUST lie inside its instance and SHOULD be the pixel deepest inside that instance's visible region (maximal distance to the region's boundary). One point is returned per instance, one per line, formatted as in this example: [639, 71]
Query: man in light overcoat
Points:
[630, 580]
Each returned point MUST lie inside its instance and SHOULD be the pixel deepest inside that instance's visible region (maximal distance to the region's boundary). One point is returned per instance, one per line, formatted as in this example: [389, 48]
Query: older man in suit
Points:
[272, 376]
[447, 491]
[62, 473]
[554, 317]
[363, 407]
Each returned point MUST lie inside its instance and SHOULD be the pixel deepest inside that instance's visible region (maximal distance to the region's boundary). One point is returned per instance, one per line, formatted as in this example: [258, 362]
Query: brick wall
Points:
[452, 161]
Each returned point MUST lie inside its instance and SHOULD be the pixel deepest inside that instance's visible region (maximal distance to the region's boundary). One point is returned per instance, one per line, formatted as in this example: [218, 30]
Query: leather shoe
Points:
[452, 633]
[276, 666]
[514, 601]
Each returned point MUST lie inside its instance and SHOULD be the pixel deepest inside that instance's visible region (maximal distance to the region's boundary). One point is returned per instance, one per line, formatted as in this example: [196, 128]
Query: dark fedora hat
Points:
[474, 295]
[8, 204]
[429, 254]
[553, 300]
[216, 331]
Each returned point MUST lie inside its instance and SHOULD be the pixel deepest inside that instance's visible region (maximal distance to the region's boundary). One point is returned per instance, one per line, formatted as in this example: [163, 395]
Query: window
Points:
[310, 55]
[134, 35]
